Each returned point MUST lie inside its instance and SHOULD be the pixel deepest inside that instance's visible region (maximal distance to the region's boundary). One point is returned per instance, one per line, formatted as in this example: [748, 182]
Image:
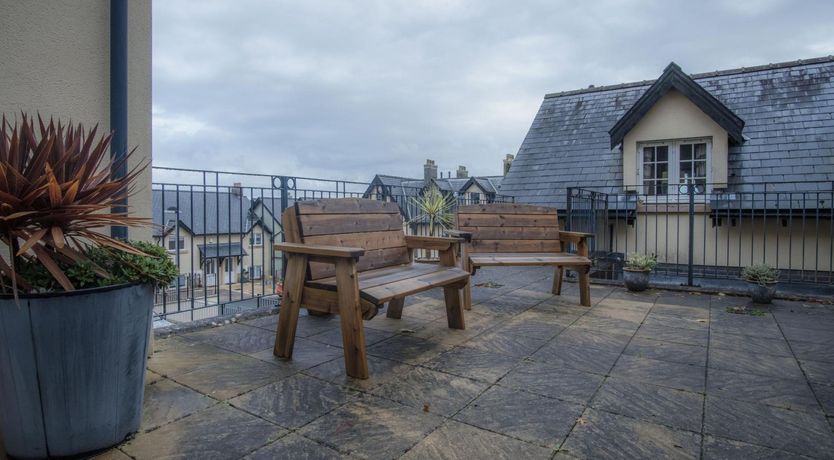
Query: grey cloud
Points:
[347, 89]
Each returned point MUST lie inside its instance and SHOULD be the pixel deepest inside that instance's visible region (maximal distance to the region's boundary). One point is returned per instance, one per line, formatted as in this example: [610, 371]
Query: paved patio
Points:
[656, 375]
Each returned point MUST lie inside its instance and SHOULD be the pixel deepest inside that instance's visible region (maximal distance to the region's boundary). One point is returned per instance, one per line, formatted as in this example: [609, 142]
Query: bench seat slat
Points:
[486, 259]
[399, 281]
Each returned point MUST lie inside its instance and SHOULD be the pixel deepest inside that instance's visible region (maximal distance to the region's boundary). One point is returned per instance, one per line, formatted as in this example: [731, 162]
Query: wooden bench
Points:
[349, 256]
[508, 234]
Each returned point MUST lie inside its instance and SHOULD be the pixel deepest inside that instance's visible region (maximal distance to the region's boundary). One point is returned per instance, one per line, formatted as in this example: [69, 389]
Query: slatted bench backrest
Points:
[510, 228]
[375, 226]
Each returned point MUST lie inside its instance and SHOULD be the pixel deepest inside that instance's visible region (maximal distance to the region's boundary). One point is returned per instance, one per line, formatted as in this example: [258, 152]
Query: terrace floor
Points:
[659, 374]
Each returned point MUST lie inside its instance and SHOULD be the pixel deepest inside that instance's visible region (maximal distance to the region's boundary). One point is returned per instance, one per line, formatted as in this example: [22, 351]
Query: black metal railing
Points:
[703, 232]
[219, 228]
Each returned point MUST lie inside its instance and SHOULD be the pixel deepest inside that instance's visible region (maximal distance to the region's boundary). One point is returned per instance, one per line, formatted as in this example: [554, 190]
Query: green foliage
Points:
[760, 274]
[643, 262]
[437, 207]
[154, 267]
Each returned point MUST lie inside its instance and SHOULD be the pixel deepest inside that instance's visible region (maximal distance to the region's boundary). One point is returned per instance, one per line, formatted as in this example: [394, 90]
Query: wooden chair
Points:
[508, 234]
[349, 256]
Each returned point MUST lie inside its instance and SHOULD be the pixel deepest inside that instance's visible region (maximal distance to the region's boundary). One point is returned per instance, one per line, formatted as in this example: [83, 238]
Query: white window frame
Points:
[257, 272]
[257, 238]
[673, 192]
[173, 239]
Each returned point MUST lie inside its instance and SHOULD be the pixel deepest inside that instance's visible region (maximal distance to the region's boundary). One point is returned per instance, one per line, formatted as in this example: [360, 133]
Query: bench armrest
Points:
[574, 237]
[320, 250]
[430, 242]
[465, 236]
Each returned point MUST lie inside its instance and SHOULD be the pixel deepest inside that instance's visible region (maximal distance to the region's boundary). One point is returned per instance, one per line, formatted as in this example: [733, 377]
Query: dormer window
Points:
[666, 167]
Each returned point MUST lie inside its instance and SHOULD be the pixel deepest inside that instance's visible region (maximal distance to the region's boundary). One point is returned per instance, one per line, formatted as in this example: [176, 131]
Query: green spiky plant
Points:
[761, 274]
[437, 207]
[56, 196]
[641, 262]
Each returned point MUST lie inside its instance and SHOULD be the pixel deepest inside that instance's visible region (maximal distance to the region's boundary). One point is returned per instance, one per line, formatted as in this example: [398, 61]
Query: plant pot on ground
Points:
[762, 280]
[75, 304]
[636, 272]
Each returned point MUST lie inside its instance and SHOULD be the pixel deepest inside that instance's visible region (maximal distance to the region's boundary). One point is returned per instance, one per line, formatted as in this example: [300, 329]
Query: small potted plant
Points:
[636, 271]
[761, 281]
[76, 304]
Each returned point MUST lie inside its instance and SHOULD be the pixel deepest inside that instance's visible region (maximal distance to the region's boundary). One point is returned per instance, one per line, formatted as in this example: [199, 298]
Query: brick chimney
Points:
[236, 189]
[508, 161]
[429, 171]
[462, 172]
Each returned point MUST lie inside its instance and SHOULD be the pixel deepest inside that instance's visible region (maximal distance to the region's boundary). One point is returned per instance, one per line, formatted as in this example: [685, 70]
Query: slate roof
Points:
[219, 250]
[224, 212]
[788, 110]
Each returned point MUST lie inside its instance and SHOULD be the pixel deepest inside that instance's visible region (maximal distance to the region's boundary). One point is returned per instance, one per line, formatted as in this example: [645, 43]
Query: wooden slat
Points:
[367, 241]
[527, 259]
[382, 276]
[347, 206]
[327, 301]
[514, 233]
[507, 220]
[333, 224]
[442, 277]
[506, 208]
[515, 246]
[377, 258]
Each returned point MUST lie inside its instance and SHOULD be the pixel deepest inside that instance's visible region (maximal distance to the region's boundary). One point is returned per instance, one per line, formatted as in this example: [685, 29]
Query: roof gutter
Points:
[118, 102]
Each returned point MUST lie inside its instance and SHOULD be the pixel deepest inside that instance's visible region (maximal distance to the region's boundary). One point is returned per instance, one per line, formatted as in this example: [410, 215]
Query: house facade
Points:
[748, 153]
[217, 238]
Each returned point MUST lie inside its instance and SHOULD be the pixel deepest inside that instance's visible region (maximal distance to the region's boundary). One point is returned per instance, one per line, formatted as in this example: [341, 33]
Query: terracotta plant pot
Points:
[762, 293]
[636, 280]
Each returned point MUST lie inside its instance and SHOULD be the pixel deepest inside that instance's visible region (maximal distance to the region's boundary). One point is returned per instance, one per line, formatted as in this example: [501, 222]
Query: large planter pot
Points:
[72, 368]
[636, 280]
[761, 293]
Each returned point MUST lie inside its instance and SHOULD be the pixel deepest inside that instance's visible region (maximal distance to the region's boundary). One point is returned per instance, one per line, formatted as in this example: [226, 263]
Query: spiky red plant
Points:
[56, 197]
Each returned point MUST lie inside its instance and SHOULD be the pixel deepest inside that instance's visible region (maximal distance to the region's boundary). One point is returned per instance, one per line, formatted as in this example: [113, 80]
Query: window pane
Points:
[663, 170]
[648, 171]
[686, 152]
[648, 187]
[685, 170]
[662, 153]
[701, 151]
[662, 187]
[700, 169]
[648, 154]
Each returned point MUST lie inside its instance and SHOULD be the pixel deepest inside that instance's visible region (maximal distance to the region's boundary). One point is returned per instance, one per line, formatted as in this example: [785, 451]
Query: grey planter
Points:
[72, 369]
[636, 280]
[762, 293]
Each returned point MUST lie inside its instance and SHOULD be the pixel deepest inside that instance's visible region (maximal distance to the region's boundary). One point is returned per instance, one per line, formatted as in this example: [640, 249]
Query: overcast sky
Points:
[346, 89]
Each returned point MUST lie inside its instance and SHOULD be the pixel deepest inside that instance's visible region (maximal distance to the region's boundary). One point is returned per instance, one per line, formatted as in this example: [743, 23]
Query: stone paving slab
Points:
[792, 431]
[536, 419]
[602, 435]
[219, 432]
[656, 374]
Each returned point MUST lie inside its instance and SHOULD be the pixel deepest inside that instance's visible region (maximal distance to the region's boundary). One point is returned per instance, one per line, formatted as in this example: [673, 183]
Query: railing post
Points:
[690, 268]
[569, 214]
[285, 202]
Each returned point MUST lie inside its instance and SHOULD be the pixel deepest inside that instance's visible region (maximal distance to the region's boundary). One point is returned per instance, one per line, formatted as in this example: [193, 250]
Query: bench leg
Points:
[467, 296]
[585, 286]
[350, 312]
[290, 305]
[558, 274]
[454, 307]
[395, 308]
